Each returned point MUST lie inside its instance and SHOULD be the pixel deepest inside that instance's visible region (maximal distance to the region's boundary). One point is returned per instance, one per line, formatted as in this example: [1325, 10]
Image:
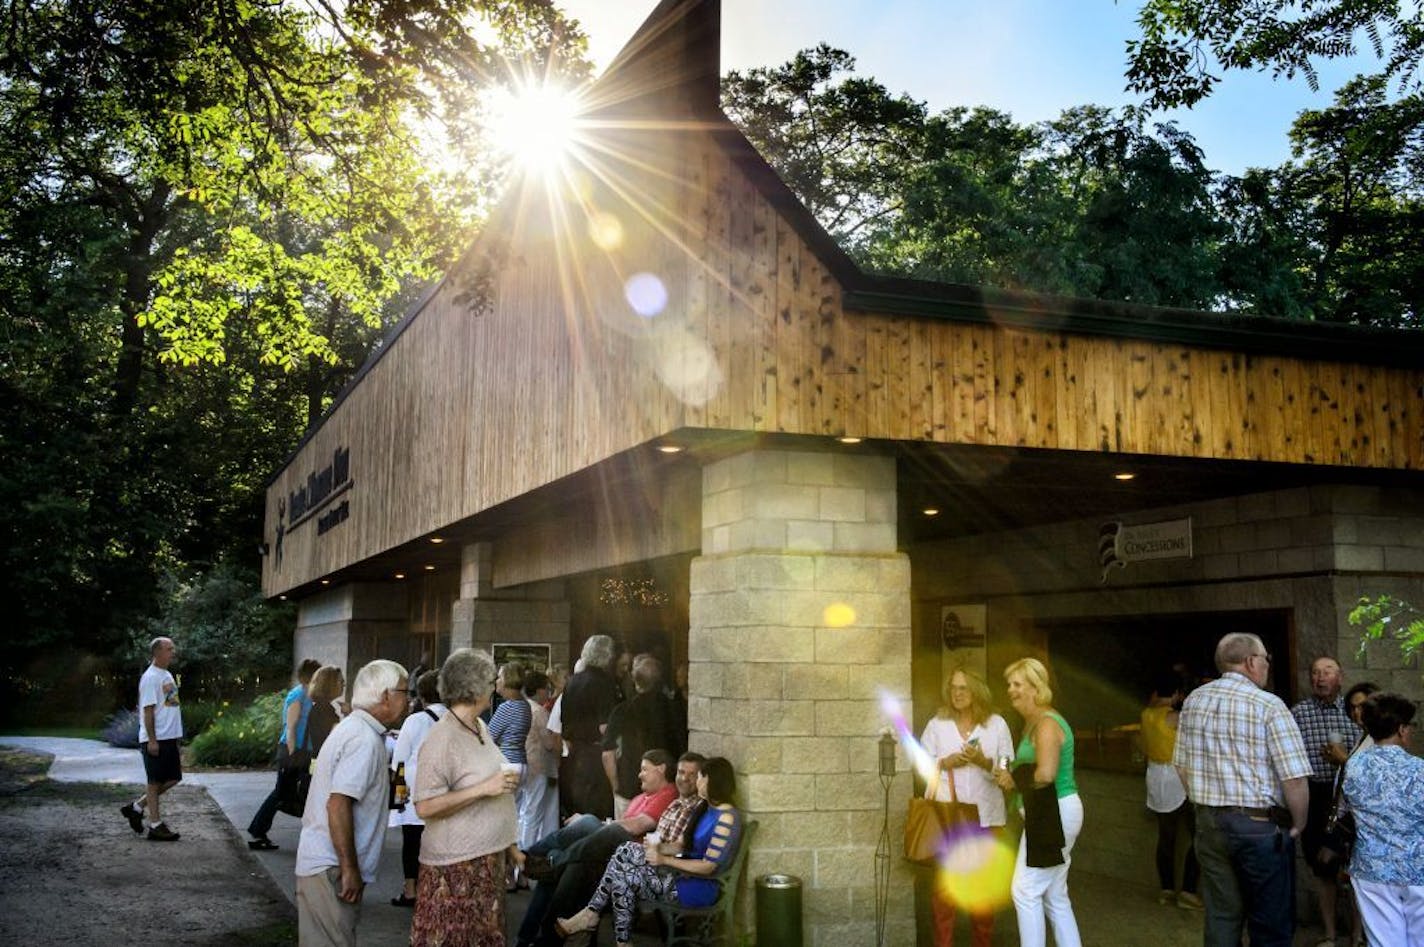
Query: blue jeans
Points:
[557, 841]
[1247, 876]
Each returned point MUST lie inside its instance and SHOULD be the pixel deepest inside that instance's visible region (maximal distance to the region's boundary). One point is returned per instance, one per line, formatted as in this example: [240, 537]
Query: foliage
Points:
[211, 214]
[1182, 42]
[230, 639]
[121, 729]
[198, 715]
[246, 737]
[836, 138]
[1103, 203]
[1389, 617]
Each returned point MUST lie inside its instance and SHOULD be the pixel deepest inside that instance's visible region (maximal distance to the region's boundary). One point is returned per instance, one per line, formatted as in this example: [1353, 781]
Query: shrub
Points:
[198, 715]
[121, 729]
[241, 736]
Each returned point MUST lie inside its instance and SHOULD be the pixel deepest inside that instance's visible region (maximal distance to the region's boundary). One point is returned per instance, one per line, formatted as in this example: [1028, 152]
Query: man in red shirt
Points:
[567, 864]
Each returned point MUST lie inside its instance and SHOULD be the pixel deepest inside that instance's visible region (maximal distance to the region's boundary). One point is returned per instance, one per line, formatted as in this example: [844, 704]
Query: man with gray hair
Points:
[345, 818]
[160, 728]
[588, 699]
[1242, 759]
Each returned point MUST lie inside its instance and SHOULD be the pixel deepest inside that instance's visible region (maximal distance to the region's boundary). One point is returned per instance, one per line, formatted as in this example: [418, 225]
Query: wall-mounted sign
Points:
[321, 488]
[1119, 544]
[532, 656]
[962, 626]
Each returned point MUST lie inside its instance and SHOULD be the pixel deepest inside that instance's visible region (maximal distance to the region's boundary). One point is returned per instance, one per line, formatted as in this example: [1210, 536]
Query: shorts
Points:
[1322, 797]
[166, 767]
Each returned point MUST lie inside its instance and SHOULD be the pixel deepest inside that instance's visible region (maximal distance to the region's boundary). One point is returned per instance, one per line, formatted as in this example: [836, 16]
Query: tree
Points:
[211, 213]
[1183, 41]
[840, 141]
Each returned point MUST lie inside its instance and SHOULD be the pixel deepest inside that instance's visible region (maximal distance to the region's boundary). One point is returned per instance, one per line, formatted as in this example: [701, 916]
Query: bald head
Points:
[1326, 678]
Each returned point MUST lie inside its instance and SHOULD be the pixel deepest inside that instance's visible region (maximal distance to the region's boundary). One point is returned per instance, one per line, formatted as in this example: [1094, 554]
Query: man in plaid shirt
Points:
[566, 883]
[1329, 733]
[1241, 757]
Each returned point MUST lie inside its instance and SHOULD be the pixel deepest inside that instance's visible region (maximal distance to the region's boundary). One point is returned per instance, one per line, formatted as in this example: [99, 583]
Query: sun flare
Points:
[534, 125]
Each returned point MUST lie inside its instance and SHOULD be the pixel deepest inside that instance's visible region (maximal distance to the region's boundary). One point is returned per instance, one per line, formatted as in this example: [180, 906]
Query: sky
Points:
[1030, 58]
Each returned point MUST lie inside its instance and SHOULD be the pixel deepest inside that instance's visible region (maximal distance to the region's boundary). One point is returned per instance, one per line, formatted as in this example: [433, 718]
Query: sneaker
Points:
[1190, 901]
[162, 833]
[134, 816]
[1166, 896]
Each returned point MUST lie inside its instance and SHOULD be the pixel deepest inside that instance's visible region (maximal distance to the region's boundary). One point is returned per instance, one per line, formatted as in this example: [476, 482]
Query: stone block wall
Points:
[484, 616]
[799, 626]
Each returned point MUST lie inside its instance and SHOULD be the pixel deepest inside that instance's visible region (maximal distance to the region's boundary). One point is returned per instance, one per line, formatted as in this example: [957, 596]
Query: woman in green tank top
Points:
[1047, 746]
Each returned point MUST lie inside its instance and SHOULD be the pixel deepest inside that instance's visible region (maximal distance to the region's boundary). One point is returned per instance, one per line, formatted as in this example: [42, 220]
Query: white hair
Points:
[373, 680]
[598, 652]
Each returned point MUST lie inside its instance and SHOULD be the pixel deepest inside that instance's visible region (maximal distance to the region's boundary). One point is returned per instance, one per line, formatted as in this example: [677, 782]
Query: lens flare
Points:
[646, 294]
[606, 231]
[976, 870]
[838, 615]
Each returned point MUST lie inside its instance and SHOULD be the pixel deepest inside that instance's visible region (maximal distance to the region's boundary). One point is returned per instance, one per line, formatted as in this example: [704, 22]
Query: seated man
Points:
[575, 856]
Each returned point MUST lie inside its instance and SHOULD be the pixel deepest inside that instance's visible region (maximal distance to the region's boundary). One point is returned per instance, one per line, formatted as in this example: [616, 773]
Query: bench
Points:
[700, 925]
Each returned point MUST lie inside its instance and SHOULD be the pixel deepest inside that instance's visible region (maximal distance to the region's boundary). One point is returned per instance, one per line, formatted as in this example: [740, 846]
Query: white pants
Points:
[538, 806]
[1393, 914]
[1037, 890]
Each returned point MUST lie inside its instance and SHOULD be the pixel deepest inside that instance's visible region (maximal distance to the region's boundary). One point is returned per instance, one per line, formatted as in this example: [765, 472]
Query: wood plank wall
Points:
[466, 411]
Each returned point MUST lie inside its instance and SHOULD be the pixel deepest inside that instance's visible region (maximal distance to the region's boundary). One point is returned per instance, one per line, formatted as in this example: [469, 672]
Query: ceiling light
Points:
[847, 439]
[400, 575]
[436, 539]
[670, 448]
[429, 568]
[1125, 475]
[325, 581]
[931, 511]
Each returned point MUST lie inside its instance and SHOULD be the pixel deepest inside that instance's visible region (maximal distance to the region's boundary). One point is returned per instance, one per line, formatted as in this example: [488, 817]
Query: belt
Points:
[1276, 814]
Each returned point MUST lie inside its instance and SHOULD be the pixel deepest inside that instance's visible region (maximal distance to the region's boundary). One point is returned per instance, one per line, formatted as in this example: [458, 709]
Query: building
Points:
[657, 400]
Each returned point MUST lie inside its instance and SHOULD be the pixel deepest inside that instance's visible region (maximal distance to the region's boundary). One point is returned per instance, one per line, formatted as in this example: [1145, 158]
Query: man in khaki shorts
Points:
[345, 818]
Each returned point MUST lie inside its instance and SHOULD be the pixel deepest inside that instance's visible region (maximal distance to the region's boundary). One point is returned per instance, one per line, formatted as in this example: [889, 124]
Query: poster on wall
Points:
[962, 634]
[533, 656]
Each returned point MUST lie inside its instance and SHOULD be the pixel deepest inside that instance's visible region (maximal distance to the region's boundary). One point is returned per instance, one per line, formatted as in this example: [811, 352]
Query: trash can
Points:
[778, 911]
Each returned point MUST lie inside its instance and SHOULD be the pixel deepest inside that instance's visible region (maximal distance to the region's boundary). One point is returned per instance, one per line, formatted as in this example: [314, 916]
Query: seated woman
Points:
[677, 870]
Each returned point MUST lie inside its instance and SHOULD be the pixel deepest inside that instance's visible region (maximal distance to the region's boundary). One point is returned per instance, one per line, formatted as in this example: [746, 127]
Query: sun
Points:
[534, 125]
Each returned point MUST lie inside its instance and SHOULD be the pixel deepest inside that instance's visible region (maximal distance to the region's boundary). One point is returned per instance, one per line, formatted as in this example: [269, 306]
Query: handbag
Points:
[1338, 839]
[293, 780]
[928, 821]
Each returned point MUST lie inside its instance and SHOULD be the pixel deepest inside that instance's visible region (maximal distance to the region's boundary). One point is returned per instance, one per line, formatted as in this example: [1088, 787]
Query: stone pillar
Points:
[799, 623]
[537, 613]
[345, 625]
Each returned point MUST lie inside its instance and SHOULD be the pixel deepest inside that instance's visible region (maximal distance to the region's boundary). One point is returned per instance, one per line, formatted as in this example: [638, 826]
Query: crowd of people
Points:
[581, 784]
[499, 777]
[1231, 768]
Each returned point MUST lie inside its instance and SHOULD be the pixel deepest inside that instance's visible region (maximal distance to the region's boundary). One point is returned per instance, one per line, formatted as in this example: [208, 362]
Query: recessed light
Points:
[847, 439]
[429, 568]
[325, 581]
[931, 511]
[670, 448]
[437, 539]
[1125, 475]
[400, 575]
[282, 597]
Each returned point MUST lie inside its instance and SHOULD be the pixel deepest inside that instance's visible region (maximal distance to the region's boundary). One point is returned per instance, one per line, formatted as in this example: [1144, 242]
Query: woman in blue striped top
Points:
[510, 729]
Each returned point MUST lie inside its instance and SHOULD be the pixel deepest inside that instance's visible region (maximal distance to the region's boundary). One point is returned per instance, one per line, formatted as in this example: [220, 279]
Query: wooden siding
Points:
[466, 411]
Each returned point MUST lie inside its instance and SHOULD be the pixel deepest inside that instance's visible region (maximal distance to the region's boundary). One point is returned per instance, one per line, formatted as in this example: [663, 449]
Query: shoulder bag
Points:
[929, 821]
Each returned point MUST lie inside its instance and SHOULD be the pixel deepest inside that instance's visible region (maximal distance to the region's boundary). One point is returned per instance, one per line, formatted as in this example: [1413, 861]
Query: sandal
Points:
[262, 844]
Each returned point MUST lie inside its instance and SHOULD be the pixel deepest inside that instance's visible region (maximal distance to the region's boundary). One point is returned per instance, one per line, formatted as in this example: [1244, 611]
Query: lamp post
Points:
[882, 849]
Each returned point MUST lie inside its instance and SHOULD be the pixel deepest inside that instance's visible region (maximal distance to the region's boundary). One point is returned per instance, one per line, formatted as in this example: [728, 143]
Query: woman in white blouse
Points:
[967, 740]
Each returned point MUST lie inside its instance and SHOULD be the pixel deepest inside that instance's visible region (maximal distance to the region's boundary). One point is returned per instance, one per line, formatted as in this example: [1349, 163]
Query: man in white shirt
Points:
[345, 817]
[160, 729]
